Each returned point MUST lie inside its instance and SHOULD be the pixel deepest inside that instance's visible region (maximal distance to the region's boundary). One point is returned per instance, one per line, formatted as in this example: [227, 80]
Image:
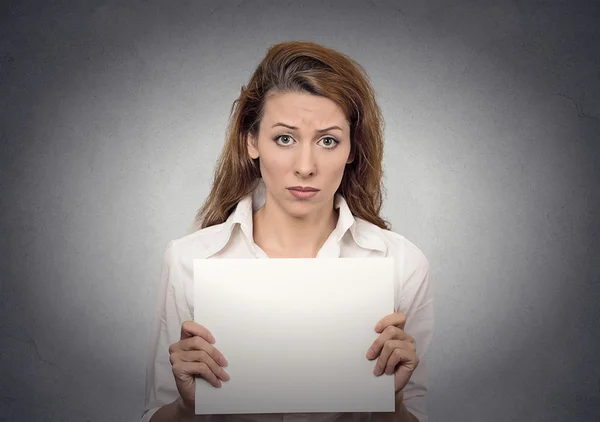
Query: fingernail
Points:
[376, 371]
[219, 384]
[370, 353]
[226, 376]
[378, 326]
[223, 361]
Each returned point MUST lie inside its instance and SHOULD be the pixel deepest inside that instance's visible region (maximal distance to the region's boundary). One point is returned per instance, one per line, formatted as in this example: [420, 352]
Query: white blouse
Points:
[352, 237]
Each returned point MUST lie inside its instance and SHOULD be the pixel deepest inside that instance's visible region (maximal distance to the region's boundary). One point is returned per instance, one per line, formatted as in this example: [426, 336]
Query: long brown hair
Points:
[303, 66]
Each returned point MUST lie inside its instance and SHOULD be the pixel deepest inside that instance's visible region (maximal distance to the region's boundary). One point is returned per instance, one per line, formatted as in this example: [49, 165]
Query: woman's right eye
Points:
[284, 140]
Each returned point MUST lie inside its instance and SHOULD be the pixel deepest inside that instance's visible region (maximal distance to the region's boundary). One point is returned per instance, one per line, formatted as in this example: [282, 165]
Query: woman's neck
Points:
[281, 235]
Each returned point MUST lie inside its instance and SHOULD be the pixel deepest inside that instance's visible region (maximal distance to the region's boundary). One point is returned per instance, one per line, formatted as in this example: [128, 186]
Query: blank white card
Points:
[295, 333]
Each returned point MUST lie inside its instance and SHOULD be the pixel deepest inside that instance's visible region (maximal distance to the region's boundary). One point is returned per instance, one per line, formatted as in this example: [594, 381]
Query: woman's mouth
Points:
[302, 192]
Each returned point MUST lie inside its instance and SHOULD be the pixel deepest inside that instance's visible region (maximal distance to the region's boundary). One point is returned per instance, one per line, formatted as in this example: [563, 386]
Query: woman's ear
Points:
[350, 157]
[252, 147]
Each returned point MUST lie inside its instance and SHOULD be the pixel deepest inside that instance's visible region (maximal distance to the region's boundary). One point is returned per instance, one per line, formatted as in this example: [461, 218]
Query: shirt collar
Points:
[242, 216]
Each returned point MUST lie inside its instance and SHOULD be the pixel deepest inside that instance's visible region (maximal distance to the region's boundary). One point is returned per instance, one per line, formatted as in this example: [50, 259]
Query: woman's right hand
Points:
[194, 354]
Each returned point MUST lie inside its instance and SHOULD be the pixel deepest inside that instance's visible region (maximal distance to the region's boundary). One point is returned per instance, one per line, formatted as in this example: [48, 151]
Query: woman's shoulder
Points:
[200, 243]
[411, 265]
[397, 245]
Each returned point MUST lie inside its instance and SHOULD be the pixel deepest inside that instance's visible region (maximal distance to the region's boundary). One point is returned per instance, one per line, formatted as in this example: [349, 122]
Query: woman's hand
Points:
[193, 355]
[396, 350]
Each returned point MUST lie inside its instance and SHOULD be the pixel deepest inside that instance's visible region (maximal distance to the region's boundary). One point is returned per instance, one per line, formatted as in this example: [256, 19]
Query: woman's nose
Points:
[305, 162]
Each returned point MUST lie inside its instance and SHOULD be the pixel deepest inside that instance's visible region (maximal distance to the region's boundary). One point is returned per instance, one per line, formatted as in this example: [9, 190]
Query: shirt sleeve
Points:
[170, 314]
[416, 303]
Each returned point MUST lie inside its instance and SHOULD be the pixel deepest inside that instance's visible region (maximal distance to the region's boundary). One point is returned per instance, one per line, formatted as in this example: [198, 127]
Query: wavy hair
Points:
[302, 66]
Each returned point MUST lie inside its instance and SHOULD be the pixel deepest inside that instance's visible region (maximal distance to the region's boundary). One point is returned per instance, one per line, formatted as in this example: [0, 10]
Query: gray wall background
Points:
[113, 114]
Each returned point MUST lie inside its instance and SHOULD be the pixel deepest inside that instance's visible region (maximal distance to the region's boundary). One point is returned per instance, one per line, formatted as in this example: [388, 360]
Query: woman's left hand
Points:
[396, 350]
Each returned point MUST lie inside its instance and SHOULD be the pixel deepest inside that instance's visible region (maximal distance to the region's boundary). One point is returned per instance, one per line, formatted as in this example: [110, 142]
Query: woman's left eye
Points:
[329, 142]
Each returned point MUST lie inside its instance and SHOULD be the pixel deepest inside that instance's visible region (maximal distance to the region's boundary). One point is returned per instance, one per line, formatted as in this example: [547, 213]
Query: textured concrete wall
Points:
[113, 113]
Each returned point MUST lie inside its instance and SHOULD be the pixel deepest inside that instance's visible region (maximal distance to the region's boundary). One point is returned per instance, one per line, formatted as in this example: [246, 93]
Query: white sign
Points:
[295, 333]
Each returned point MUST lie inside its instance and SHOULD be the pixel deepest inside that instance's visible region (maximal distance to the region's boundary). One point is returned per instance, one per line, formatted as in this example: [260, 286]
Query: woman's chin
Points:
[301, 209]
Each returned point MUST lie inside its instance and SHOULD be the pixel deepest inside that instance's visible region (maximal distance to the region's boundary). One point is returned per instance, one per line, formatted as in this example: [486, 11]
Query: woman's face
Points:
[303, 142]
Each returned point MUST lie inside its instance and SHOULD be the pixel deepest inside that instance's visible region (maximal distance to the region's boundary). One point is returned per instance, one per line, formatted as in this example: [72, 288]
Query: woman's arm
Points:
[416, 302]
[162, 396]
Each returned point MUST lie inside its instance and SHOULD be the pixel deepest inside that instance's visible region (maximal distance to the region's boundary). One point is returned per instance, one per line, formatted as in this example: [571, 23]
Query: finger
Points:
[192, 328]
[390, 333]
[202, 356]
[388, 351]
[402, 356]
[182, 370]
[198, 343]
[397, 318]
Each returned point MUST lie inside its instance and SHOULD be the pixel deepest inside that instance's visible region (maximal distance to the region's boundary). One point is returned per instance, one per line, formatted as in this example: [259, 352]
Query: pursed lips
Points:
[304, 189]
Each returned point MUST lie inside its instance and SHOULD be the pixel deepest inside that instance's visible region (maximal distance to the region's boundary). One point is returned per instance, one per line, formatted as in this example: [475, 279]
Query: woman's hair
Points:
[308, 67]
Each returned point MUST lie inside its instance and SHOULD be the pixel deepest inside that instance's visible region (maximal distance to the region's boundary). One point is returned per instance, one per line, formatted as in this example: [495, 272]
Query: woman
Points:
[299, 177]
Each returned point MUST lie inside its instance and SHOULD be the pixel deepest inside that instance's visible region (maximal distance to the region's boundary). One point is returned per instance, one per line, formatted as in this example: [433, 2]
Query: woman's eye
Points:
[329, 142]
[284, 140]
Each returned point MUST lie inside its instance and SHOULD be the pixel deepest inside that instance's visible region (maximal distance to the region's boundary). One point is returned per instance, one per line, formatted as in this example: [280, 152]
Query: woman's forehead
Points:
[303, 109]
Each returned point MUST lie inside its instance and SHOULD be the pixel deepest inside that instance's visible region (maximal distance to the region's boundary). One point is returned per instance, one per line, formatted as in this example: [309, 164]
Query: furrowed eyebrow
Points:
[318, 130]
